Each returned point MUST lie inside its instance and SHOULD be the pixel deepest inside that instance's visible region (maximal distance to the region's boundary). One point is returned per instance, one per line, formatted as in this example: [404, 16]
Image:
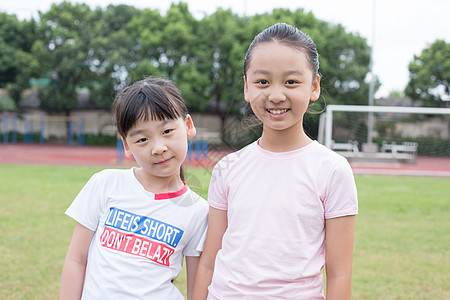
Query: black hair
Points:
[150, 98]
[290, 36]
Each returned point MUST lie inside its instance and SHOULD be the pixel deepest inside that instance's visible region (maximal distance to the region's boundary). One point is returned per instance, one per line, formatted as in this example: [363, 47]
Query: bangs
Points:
[147, 108]
[147, 102]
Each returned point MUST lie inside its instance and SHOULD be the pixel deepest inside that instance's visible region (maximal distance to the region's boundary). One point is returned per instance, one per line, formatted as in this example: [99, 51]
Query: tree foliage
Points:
[102, 50]
[112, 51]
[429, 75]
[17, 64]
[63, 54]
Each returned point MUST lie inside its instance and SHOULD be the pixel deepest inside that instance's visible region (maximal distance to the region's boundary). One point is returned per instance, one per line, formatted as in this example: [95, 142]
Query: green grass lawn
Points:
[402, 238]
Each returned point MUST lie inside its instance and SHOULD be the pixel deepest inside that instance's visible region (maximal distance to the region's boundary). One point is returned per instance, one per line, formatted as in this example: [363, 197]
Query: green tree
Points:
[344, 59]
[146, 33]
[429, 75]
[6, 102]
[396, 94]
[63, 53]
[169, 47]
[180, 60]
[105, 49]
[112, 52]
[17, 64]
[222, 43]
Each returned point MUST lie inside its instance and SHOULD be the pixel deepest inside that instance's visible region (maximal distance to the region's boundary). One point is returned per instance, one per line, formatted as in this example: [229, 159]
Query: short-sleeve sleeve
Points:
[87, 206]
[217, 196]
[341, 197]
[195, 245]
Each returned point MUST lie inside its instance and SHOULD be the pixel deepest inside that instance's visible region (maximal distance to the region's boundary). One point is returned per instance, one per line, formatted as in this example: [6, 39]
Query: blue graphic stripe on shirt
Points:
[144, 226]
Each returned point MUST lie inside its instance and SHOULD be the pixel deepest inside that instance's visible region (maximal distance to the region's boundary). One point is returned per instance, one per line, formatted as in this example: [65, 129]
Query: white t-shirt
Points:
[140, 237]
[276, 205]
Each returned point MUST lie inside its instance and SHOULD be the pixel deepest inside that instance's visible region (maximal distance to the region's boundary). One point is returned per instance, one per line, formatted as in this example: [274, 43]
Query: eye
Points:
[167, 131]
[263, 82]
[141, 140]
[291, 82]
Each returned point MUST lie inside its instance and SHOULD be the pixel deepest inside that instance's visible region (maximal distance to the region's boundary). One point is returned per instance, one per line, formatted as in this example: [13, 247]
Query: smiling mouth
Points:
[278, 111]
[163, 162]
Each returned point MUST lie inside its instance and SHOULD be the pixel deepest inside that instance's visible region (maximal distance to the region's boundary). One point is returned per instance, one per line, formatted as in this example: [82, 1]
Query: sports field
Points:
[402, 242]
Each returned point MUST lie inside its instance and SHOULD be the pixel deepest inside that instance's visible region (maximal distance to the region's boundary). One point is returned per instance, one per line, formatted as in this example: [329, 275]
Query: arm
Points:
[191, 271]
[217, 224]
[339, 255]
[74, 268]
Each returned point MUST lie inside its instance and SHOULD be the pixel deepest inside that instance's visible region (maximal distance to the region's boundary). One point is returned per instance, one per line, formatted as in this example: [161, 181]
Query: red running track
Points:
[107, 156]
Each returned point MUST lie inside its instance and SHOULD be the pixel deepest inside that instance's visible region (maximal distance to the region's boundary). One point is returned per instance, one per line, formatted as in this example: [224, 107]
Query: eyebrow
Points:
[135, 132]
[288, 72]
[261, 72]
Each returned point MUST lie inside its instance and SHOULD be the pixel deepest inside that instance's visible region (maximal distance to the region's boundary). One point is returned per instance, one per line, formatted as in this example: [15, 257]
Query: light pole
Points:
[370, 121]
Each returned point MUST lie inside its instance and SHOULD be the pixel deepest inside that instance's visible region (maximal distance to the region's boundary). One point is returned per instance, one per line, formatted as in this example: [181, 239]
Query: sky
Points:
[396, 29]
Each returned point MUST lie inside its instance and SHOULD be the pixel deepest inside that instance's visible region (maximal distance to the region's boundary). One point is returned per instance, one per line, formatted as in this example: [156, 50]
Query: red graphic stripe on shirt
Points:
[134, 245]
[163, 196]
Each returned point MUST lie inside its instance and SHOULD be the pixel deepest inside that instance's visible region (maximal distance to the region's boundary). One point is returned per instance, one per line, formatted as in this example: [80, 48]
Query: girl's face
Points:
[159, 147]
[279, 86]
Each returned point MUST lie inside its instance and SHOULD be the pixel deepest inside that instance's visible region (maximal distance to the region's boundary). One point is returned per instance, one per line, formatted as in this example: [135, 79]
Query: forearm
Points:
[339, 256]
[338, 287]
[191, 271]
[72, 280]
[202, 281]
[74, 269]
[217, 224]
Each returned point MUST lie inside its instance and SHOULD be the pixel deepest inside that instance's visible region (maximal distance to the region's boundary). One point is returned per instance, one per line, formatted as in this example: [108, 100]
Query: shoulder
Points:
[333, 169]
[198, 200]
[112, 174]
[325, 163]
[323, 150]
[191, 207]
[234, 158]
[324, 155]
[109, 180]
[195, 201]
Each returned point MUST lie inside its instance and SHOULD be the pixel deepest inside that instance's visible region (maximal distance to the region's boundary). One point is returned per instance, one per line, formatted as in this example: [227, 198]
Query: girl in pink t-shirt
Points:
[284, 207]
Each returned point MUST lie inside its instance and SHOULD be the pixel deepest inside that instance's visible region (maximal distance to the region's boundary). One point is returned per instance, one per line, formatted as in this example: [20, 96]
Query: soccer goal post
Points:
[325, 135]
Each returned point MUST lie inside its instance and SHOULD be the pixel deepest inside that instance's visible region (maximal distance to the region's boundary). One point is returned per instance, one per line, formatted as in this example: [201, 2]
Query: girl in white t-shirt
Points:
[283, 207]
[135, 226]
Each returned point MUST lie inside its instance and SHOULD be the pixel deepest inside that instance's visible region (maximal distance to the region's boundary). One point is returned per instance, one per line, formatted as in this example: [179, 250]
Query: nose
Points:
[276, 94]
[159, 148]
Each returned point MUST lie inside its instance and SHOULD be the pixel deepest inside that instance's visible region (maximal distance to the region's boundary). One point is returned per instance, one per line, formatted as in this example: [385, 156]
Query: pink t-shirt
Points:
[277, 203]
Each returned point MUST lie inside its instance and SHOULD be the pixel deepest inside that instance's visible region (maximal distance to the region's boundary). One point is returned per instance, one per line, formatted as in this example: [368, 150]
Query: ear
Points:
[191, 131]
[128, 153]
[246, 90]
[315, 93]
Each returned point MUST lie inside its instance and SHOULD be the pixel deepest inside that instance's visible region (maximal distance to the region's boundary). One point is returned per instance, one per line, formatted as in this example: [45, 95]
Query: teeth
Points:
[277, 111]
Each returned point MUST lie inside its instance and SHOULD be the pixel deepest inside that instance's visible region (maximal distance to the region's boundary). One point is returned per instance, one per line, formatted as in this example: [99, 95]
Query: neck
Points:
[156, 184]
[283, 140]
